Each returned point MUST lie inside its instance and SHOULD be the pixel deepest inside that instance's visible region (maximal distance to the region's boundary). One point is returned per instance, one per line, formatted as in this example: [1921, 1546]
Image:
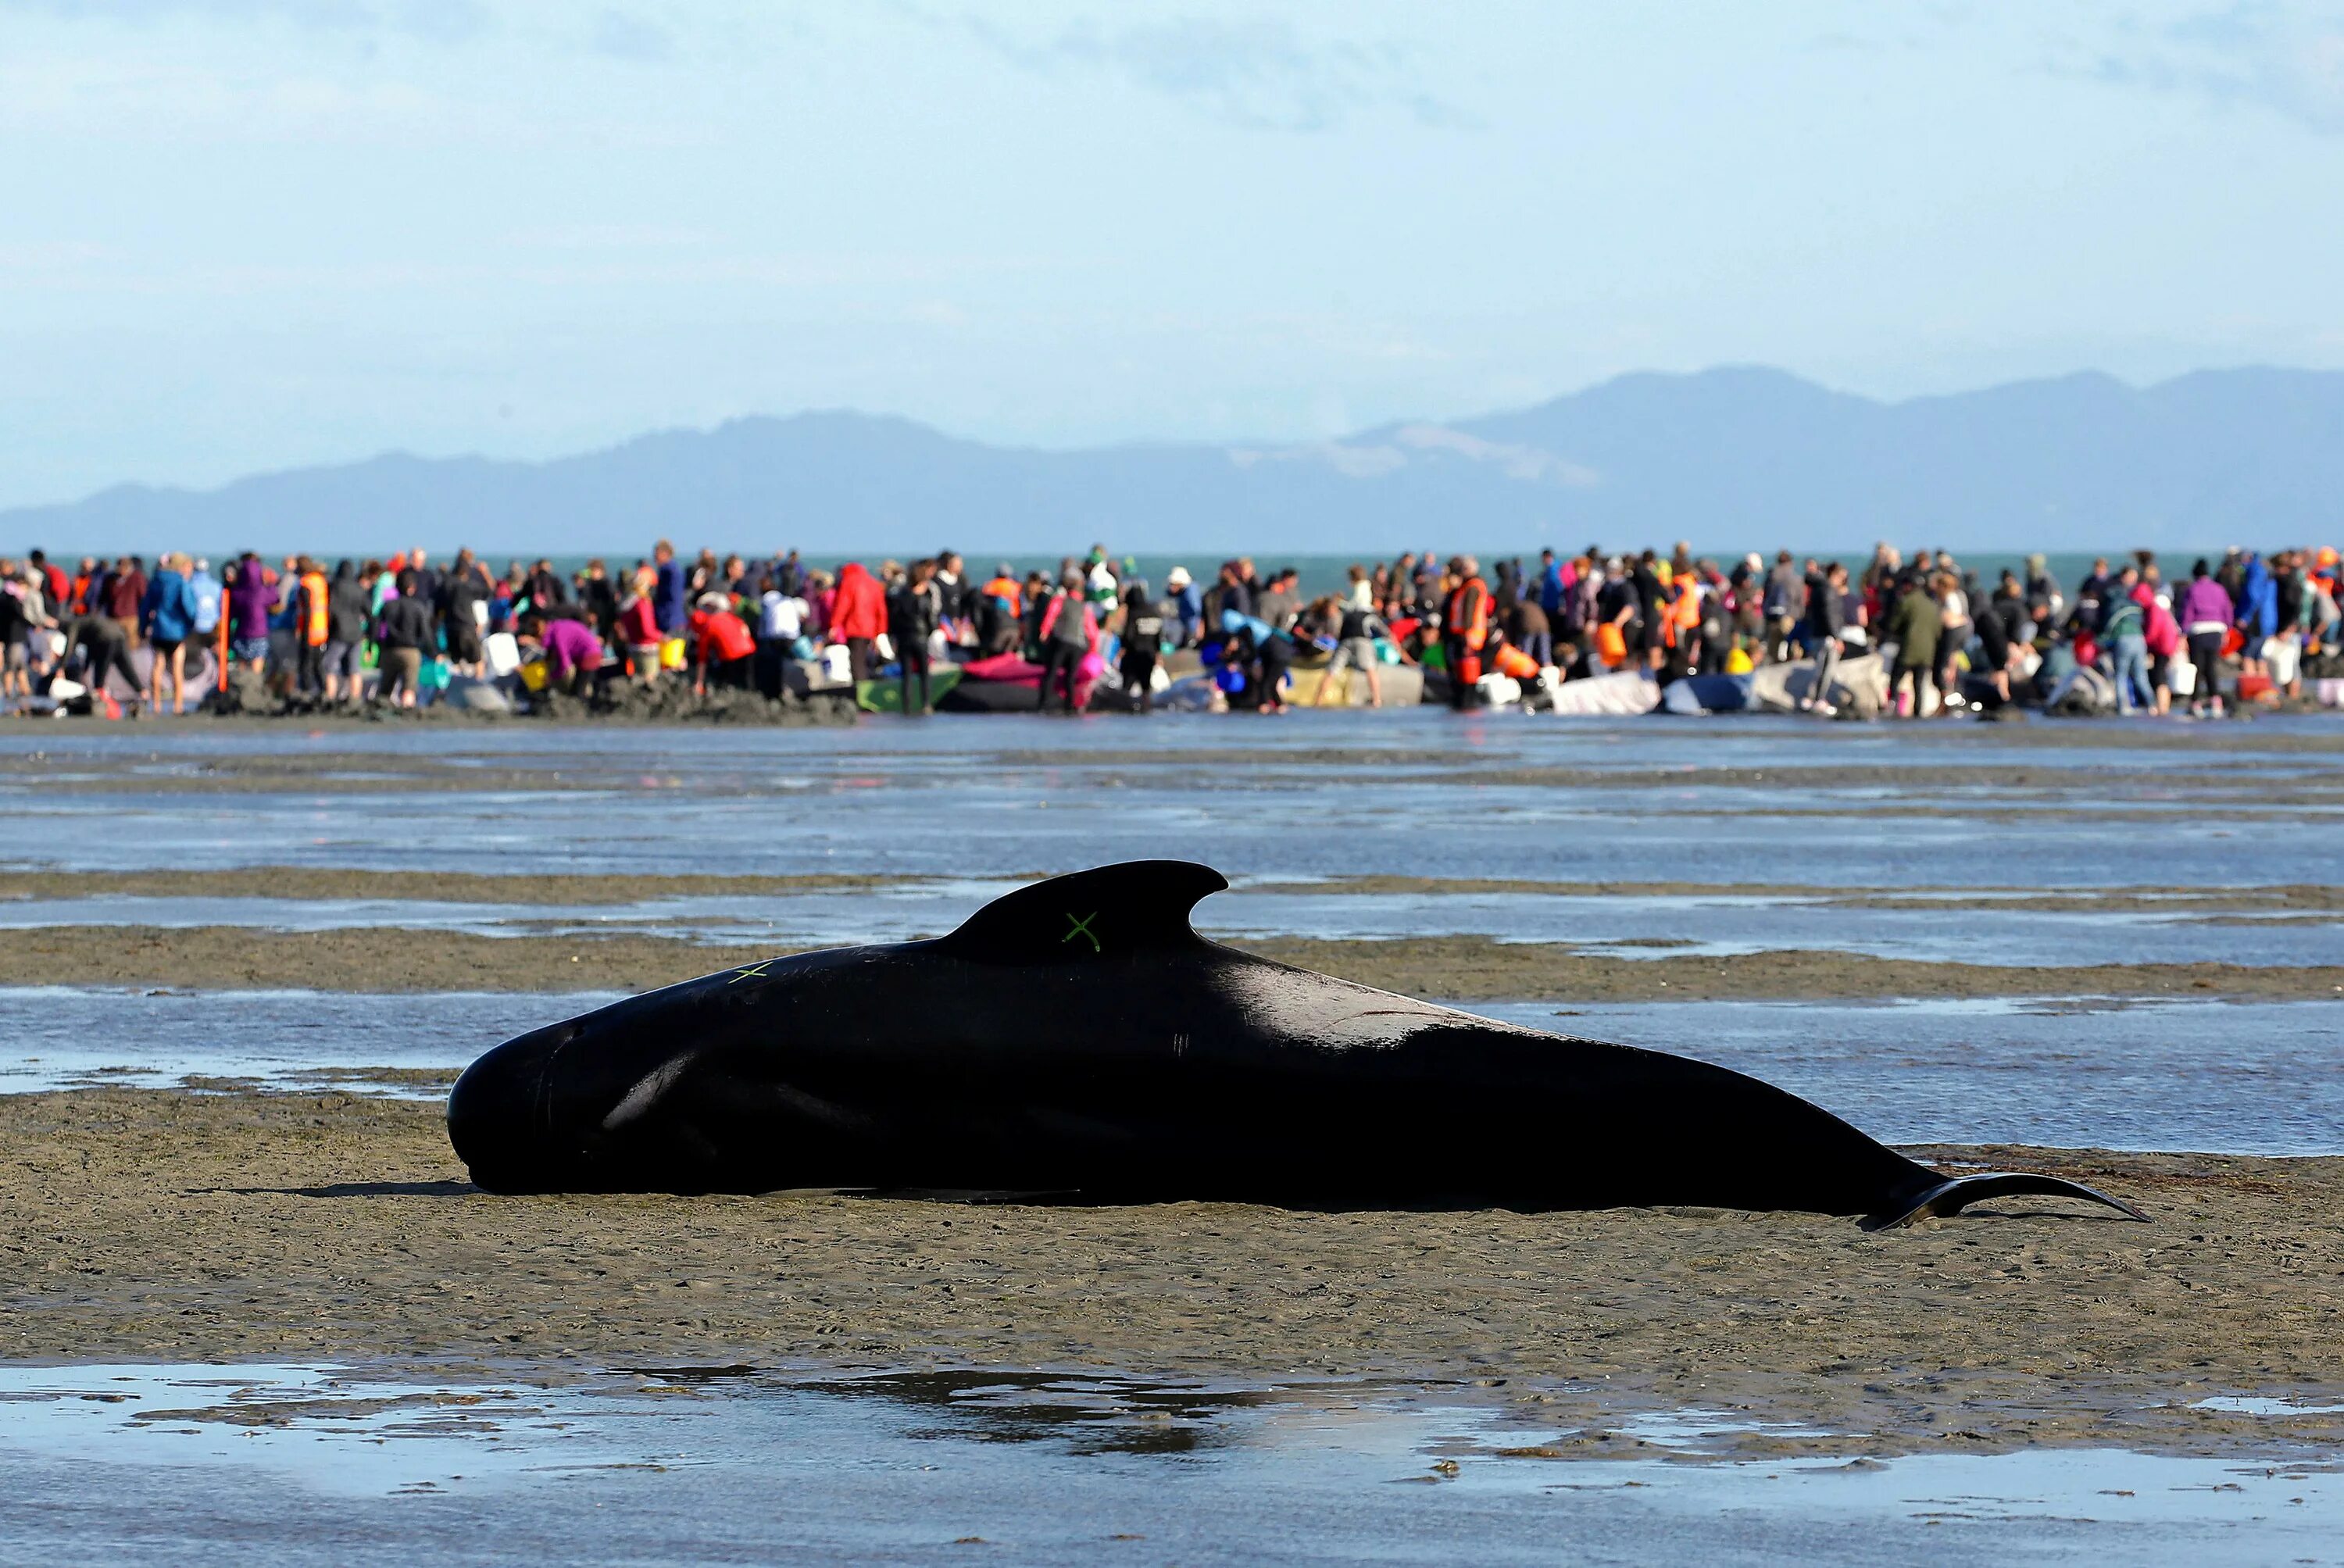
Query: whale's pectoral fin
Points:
[1138, 906]
[1957, 1193]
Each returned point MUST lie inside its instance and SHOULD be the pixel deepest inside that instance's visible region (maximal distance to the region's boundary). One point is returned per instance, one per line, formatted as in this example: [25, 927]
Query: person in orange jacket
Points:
[997, 611]
[1465, 630]
[857, 616]
[310, 652]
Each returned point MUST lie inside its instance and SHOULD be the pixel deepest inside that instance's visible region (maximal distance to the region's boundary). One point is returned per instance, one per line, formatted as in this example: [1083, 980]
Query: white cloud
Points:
[1415, 442]
[1519, 461]
[2287, 60]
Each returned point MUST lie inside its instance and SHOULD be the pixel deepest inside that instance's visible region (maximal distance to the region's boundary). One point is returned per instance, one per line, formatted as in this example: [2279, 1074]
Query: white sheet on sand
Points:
[1625, 692]
[1858, 686]
[2083, 693]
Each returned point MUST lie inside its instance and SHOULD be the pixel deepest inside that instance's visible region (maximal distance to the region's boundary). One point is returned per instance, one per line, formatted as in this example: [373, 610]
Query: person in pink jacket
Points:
[1069, 633]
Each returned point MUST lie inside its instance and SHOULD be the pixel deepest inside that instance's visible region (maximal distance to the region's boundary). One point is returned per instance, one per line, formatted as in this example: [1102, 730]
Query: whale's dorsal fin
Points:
[1113, 911]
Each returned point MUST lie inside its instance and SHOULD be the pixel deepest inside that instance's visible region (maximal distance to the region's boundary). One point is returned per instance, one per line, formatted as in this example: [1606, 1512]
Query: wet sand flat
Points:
[149, 1225]
[1454, 968]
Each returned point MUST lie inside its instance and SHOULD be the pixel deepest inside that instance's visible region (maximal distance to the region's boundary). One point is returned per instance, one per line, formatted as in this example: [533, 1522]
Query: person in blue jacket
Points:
[1550, 588]
[167, 619]
[2258, 613]
[208, 593]
[668, 598]
[1187, 606]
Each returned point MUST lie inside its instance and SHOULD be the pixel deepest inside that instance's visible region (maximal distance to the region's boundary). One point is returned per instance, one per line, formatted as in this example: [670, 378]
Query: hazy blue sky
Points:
[243, 234]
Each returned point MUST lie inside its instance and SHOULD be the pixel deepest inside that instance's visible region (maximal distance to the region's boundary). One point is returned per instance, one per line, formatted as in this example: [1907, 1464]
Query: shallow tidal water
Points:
[165, 1464]
[1733, 800]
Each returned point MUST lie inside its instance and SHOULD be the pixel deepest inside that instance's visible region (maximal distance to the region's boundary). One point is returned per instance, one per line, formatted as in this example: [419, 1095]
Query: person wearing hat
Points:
[724, 651]
[1101, 587]
[1187, 605]
[1464, 630]
[2042, 588]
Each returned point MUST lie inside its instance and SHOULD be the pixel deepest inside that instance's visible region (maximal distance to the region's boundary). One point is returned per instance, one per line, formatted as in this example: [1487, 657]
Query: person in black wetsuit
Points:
[1065, 633]
[914, 609]
[349, 608]
[1143, 644]
[1994, 639]
[106, 647]
[402, 632]
[1826, 624]
[461, 590]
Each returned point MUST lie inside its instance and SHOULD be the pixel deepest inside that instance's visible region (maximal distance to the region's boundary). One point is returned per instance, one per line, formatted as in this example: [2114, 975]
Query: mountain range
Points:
[1730, 459]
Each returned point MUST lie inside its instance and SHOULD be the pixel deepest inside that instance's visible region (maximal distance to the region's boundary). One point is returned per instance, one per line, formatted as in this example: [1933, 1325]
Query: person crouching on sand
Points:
[724, 653]
[574, 654]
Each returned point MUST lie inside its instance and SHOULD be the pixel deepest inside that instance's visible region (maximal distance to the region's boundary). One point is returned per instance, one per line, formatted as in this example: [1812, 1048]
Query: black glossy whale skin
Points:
[1076, 1039]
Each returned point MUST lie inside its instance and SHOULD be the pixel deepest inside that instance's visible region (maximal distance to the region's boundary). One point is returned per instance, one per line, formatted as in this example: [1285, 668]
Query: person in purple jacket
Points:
[251, 600]
[574, 654]
[2206, 614]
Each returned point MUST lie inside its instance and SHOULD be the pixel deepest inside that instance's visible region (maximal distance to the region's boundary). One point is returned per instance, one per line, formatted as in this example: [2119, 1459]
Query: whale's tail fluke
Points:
[1956, 1193]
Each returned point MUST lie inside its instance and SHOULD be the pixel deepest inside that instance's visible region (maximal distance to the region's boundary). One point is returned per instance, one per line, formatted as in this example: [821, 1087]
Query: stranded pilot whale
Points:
[1077, 1038]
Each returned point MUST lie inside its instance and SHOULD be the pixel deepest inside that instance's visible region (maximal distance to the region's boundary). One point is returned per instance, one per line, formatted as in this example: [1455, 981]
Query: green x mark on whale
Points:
[753, 972]
[1081, 926]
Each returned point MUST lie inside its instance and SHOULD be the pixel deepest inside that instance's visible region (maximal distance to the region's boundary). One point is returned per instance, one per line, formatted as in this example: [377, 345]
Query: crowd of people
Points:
[387, 631]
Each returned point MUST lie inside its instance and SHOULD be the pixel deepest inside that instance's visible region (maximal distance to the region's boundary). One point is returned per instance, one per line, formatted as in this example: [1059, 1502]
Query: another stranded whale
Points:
[1076, 1039]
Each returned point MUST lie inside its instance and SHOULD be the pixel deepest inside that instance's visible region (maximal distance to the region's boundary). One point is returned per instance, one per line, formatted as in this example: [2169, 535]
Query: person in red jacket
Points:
[857, 616]
[723, 648]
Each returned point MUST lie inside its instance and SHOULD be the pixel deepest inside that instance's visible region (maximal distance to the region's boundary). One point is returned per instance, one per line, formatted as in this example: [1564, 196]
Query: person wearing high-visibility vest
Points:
[313, 626]
[1465, 630]
[1686, 611]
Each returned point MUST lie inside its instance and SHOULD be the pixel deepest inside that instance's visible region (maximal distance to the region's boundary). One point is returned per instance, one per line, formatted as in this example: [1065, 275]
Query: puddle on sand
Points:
[707, 1464]
[66, 1036]
[2251, 1404]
